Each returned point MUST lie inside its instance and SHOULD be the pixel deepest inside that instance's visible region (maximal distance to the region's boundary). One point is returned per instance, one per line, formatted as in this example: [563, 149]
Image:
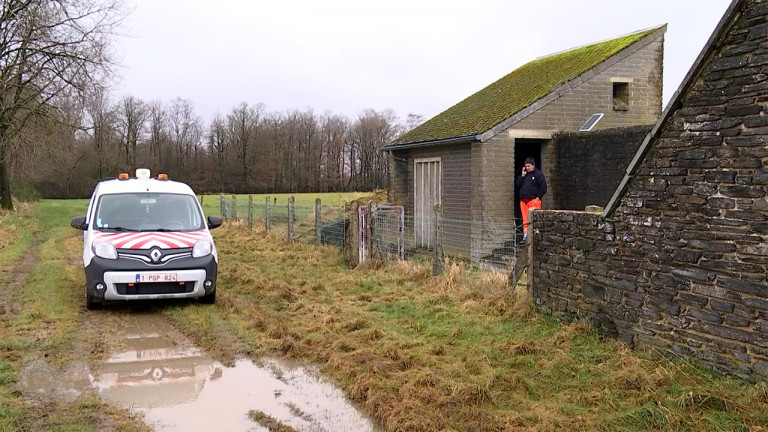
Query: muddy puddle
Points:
[178, 388]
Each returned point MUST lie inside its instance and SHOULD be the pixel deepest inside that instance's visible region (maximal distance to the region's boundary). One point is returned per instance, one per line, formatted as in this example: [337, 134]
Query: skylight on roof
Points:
[591, 122]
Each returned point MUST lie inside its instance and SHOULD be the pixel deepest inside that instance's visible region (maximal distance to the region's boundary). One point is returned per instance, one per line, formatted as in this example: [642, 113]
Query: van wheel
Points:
[209, 298]
[92, 303]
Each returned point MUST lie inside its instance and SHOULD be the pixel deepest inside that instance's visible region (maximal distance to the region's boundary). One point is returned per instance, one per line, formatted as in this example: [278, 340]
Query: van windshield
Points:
[148, 211]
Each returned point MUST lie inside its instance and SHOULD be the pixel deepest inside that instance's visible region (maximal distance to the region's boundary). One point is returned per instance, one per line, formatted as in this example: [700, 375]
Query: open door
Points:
[427, 179]
[525, 148]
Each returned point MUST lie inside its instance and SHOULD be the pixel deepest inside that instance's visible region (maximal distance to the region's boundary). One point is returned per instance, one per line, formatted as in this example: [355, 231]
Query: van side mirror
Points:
[78, 222]
[214, 222]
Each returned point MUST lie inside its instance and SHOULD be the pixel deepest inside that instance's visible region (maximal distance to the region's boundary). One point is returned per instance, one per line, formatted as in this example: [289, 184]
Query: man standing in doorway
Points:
[532, 186]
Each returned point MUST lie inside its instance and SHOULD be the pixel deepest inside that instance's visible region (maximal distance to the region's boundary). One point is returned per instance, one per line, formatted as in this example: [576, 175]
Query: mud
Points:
[41, 383]
[9, 300]
[156, 371]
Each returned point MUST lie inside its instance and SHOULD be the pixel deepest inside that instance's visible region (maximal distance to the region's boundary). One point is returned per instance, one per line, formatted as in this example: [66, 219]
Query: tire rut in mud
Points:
[10, 304]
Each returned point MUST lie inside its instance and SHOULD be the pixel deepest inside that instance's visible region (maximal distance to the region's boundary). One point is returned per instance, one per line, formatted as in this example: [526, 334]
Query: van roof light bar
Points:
[142, 174]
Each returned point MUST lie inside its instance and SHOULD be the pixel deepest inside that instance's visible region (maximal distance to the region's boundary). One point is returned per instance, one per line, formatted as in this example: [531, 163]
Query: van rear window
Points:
[148, 211]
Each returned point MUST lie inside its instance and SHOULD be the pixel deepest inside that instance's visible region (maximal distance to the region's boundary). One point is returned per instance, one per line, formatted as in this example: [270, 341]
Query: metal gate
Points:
[386, 230]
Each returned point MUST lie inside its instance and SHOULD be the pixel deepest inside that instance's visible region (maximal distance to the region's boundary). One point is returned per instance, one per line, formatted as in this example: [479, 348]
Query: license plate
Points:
[156, 277]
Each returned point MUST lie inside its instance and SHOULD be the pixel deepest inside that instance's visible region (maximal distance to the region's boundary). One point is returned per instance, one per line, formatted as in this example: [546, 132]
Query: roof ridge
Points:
[645, 30]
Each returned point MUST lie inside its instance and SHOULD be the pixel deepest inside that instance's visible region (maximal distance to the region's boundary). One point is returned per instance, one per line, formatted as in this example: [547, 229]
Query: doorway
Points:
[525, 148]
[428, 183]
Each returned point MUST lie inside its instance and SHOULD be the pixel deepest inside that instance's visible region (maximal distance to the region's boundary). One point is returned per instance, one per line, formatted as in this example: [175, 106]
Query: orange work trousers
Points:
[525, 205]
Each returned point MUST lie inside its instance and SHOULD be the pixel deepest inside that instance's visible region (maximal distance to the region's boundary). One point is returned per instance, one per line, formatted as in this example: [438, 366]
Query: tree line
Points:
[247, 150]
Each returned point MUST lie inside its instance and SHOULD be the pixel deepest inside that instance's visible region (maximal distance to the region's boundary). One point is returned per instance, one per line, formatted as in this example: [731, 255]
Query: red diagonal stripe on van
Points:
[148, 240]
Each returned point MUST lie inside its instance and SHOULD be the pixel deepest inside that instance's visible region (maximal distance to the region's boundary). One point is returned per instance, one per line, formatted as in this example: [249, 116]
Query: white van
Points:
[147, 238]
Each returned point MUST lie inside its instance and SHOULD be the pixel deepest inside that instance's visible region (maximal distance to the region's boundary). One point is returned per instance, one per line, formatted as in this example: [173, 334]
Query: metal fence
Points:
[383, 232]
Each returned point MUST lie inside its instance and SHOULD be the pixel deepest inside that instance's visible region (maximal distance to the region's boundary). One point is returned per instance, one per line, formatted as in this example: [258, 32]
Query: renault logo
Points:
[155, 254]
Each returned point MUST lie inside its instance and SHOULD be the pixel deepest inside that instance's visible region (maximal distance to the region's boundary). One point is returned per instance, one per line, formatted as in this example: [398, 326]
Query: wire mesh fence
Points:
[370, 231]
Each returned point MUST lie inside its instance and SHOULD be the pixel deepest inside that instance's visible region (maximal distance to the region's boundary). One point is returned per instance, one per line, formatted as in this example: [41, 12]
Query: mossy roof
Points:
[518, 89]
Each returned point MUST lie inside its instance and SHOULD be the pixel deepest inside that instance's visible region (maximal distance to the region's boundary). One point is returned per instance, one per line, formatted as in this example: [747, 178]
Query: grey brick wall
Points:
[457, 186]
[571, 110]
[590, 165]
[399, 166]
[493, 194]
[456, 196]
[682, 264]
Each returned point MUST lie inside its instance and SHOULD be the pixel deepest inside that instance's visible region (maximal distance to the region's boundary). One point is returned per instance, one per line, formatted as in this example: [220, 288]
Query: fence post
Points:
[401, 246]
[234, 207]
[223, 206]
[267, 214]
[291, 219]
[318, 222]
[372, 231]
[438, 261]
[250, 212]
[353, 244]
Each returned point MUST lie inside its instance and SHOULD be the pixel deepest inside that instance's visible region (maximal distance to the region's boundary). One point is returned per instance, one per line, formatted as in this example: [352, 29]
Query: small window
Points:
[620, 96]
[591, 122]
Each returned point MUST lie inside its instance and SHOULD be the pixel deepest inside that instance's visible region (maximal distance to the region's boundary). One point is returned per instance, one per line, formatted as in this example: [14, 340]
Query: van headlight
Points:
[104, 249]
[202, 248]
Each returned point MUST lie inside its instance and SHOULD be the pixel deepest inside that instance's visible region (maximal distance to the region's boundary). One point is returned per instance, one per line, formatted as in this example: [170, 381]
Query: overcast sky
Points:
[343, 56]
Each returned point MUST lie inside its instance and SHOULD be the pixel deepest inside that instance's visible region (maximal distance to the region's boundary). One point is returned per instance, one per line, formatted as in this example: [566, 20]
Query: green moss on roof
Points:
[517, 90]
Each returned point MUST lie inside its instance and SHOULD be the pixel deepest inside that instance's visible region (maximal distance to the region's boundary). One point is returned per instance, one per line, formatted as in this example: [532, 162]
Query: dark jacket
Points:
[533, 185]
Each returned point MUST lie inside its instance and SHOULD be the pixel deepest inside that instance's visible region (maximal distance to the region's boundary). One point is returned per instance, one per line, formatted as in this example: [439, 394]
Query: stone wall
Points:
[590, 165]
[681, 265]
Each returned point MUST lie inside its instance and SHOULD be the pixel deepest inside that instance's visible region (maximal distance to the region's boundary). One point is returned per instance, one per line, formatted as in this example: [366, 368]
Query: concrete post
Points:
[353, 237]
[372, 244]
[318, 222]
[267, 214]
[439, 258]
[291, 219]
[250, 212]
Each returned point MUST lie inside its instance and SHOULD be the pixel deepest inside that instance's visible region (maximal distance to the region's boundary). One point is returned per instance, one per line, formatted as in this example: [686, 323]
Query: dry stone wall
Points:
[682, 264]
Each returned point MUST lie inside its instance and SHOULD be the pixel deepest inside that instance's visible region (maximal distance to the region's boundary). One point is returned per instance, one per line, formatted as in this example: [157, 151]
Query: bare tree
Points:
[102, 126]
[371, 131]
[217, 142]
[334, 143]
[307, 161]
[132, 117]
[273, 123]
[243, 125]
[157, 117]
[412, 121]
[56, 154]
[186, 132]
[46, 48]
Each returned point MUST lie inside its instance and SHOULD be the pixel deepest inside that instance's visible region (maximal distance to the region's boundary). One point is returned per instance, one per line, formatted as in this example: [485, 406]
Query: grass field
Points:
[304, 203]
[459, 352]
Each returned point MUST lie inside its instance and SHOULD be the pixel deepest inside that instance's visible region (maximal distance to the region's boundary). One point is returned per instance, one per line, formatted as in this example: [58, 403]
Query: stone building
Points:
[467, 157]
[678, 261]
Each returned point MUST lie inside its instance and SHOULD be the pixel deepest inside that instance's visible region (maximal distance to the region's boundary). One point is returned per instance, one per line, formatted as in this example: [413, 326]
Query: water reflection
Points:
[178, 388]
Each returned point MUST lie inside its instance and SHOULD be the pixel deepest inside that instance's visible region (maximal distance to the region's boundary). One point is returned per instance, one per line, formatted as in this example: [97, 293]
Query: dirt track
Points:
[9, 298]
